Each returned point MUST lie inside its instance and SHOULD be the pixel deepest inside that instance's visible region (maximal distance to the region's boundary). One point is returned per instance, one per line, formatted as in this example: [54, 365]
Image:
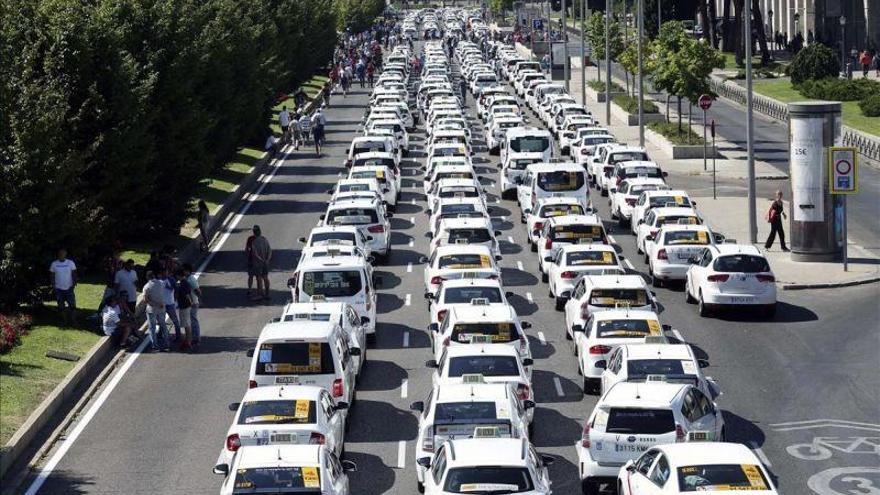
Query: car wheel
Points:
[655, 280]
[544, 276]
[770, 310]
[371, 339]
[704, 308]
[534, 247]
[638, 247]
[531, 429]
[621, 222]
[420, 486]
[522, 219]
[589, 386]
[560, 304]
[589, 487]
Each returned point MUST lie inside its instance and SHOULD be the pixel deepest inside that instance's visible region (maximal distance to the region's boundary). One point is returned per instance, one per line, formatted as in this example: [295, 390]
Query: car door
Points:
[609, 376]
[358, 331]
[335, 420]
[438, 472]
[574, 305]
[706, 414]
[637, 482]
[698, 272]
[659, 475]
[542, 478]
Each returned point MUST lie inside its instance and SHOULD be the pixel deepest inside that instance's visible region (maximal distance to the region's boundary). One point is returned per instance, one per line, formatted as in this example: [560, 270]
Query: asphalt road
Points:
[161, 428]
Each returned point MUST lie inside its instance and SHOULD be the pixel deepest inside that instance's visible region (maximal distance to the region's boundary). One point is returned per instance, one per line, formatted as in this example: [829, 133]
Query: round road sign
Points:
[705, 102]
[843, 167]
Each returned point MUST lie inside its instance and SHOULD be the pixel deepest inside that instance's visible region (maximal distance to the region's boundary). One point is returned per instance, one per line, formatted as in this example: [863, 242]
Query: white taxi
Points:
[623, 199]
[657, 199]
[448, 208]
[337, 235]
[658, 217]
[343, 313]
[595, 293]
[481, 323]
[549, 208]
[465, 291]
[512, 169]
[676, 362]
[367, 215]
[673, 250]
[465, 231]
[576, 260]
[731, 275]
[564, 231]
[459, 261]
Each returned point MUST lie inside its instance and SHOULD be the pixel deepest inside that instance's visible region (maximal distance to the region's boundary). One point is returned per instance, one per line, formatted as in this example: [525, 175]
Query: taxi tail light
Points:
[437, 280]
[317, 439]
[337, 387]
[441, 314]
[631, 201]
[585, 436]
[718, 277]
[538, 226]
[600, 349]
[654, 232]
[679, 433]
[428, 443]
[568, 275]
[548, 244]
[661, 255]
[764, 277]
[523, 391]
[233, 442]
[252, 384]
[376, 229]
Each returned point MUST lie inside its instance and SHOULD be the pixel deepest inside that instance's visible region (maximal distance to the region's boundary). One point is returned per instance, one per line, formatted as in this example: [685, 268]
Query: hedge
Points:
[631, 105]
[816, 61]
[834, 88]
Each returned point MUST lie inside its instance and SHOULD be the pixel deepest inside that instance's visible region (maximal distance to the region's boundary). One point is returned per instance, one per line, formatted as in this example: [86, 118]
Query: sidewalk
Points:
[725, 215]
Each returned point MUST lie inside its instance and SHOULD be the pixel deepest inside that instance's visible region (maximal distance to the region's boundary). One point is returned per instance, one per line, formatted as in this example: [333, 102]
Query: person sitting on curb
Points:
[117, 322]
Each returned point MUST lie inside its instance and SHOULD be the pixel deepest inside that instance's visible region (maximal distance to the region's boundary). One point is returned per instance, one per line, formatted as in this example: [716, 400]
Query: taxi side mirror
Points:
[548, 259]
[527, 211]
[431, 364]
[429, 235]
[429, 296]
[433, 327]
[497, 257]
[425, 462]
[528, 362]
[525, 325]
[340, 406]
[649, 237]
[329, 191]
[349, 466]
[666, 328]
[703, 363]
[365, 320]
[418, 406]
[371, 259]
[234, 406]
[250, 353]
[577, 328]
[629, 466]
[508, 294]
[221, 469]
[528, 404]
[548, 460]
[322, 217]
[302, 239]
[497, 232]
[693, 203]
[423, 259]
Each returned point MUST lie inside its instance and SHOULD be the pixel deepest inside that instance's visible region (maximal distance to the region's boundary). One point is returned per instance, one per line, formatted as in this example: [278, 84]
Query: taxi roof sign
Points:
[480, 301]
[471, 378]
[318, 298]
[487, 432]
[655, 378]
[699, 436]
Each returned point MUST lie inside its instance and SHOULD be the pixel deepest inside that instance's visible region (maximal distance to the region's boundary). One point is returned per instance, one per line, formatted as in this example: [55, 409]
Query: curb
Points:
[831, 285]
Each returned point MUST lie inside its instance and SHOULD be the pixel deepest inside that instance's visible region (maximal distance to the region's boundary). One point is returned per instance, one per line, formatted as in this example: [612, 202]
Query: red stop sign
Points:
[705, 102]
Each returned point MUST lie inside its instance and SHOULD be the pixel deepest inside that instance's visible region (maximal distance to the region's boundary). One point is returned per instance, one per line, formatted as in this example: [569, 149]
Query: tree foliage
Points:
[816, 61]
[596, 36]
[112, 111]
[355, 15]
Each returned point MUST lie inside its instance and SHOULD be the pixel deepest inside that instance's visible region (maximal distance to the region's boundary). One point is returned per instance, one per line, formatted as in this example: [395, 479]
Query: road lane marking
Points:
[529, 297]
[558, 386]
[629, 265]
[409, 268]
[412, 220]
[406, 339]
[541, 338]
[411, 243]
[497, 201]
[413, 201]
[408, 299]
[760, 453]
[678, 335]
[105, 394]
[403, 388]
[492, 185]
[611, 239]
[519, 266]
[401, 454]
[510, 239]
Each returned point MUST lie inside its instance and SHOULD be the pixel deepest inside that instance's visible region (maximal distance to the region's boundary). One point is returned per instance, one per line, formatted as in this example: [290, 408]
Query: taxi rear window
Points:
[488, 479]
[277, 412]
[500, 332]
[650, 172]
[645, 421]
[741, 263]
[589, 258]
[295, 358]
[463, 261]
[368, 147]
[529, 144]
[721, 477]
[484, 365]
[452, 210]
[560, 210]
[686, 237]
[640, 368]
[458, 411]
[464, 295]
[611, 297]
[470, 236]
[352, 216]
[459, 192]
[678, 219]
[449, 151]
[379, 175]
[454, 175]
[329, 236]
[354, 187]
[278, 480]
[629, 156]
[610, 329]
[560, 180]
[372, 162]
[577, 233]
[332, 283]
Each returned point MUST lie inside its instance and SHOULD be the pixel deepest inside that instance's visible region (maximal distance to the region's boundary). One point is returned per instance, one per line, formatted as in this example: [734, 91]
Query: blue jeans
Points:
[65, 297]
[157, 320]
[194, 322]
[171, 310]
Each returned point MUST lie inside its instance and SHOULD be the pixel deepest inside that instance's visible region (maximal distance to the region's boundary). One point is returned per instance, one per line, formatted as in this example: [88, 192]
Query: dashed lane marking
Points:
[760, 453]
[409, 268]
[406, 339]
[408, 300]
[519, 266]
[411, 243]
[510, 239]
[403, 388]
[401, 454]
[558, 385]
[541, 338]
[629, 265]
[529, 297]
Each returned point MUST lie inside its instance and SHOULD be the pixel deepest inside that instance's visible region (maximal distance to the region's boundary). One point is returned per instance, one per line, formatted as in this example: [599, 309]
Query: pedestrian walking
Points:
[262, 256]
[63, 272]
[183, 298]
[169, 285]
[371, 69]
[462, 88]
[203, 218]
[155, 299]
[196, 300]
[284, 123]
[318, 122]
[865, 61]
[249, 256]
[774, 217]
[296, 125]
[125, 283]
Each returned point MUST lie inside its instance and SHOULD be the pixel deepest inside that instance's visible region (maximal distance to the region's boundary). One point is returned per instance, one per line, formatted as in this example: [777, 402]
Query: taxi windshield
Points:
[331, 236]
[352, 216]
[675, 237]
[560, 180]
[611, 297]
[587, 258]
[463, 261]
[609, 329]
[484, 365]
[276, 412]
[332, 283]
[741, 263]
[459, 192]
[469, 236]
[488, 479]
[372, 162]
[295, 358]
[721, 477]
[577, 233]
[500, 332]
[281, 479]
[464, 295]
[561, 210]
[530, 144]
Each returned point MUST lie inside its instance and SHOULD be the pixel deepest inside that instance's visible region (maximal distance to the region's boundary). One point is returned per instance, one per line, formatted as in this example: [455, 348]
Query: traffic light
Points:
[556, 5]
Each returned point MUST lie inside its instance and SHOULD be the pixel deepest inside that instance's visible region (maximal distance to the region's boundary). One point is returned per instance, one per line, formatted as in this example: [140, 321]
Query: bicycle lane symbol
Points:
[860, 441]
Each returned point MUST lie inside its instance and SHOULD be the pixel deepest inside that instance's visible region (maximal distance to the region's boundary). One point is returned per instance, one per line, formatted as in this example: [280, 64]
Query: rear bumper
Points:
[728, 299]
[670, 271]
[591, 470]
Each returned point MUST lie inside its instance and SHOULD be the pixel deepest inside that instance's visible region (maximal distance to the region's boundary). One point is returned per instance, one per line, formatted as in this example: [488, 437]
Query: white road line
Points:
[510, 239]
[541, 338]
[412, 220]
[409, 268]
[678, 335]
[411, 243]
[628, 264]
[492, 185]
[519, 266]
[401, 454]
[760, 453]
[105, 394]
[611, 239]
[413, 201]
[497, 201]
[558, 386]
[408, 300]
[406, 339]
[503, 218]
[529, 297]
[403, 388]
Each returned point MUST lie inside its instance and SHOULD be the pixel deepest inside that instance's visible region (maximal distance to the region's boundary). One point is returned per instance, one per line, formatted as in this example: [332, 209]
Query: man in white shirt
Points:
[284, 122]
[112, 322]
[154, 296]
[63, 273]
[125, 281]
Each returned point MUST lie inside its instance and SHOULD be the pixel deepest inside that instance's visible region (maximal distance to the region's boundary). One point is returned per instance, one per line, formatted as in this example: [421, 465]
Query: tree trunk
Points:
[703, 13]
[737, 33]
[690, 116]
[758, 20]
[626, 76]
[726, 29]
[667, 107]
[679, 117]
[713, 36]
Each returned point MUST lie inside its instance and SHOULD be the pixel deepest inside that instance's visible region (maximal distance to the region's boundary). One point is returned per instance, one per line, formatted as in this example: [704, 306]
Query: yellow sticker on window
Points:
[484, 261]
[679, 199]
[380, 174]
[753, 474]
[310, 477]
[703, 237]
[654, 327]
[302, 409]
[607, 257]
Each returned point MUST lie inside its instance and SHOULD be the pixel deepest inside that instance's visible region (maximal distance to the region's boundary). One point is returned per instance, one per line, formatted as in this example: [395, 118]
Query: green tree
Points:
[596, 38]
[629, 61]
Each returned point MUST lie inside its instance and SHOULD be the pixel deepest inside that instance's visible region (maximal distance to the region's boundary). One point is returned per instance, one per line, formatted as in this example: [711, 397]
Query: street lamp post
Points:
[565, 68]
[750, 128]
[659, 17]
[772, 31]
[583, 54]
[640, 18]
[843, 45]
[607, 63]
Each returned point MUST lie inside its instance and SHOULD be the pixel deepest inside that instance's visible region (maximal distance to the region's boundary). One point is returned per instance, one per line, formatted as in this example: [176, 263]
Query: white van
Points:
[310, 352]
[549, 180]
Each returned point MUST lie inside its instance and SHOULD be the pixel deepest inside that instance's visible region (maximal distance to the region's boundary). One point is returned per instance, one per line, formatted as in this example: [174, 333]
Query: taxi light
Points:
[585, 436]
[252, 384]
[568, 275]
[548, 244]
[437, 280]
[428, 443]
[661, 255]
[600, 349]
[317, 439]
[376, 229]
[337, 387]
[523, 391]
[441, 315]
[679, 433]
[718, 278]
[233, 442]
[765, 278]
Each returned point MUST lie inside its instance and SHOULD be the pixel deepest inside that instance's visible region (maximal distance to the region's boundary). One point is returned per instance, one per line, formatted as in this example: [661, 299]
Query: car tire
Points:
[589, 487]
[704, 308]
[522, 219]
[534, 247]
[560, 305]
[544, 276]
[531, 429]
[420, 486]
[588, 386]
[620, 488]
[770, 310]
[638, 247]
[371, 339]
[655, 280]
[604, 192]
[621, 222]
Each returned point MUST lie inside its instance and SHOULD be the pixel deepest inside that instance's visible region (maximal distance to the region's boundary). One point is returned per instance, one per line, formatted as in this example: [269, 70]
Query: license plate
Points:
[739, 299]
[629, 448]
[282, 438]
[470, 275]
[287, 379]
